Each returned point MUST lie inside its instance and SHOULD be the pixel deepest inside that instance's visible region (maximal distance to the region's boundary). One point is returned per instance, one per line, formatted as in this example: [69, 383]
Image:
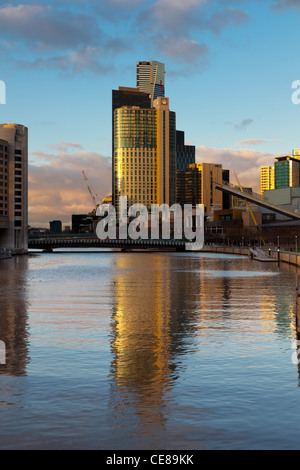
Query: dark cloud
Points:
[58, 38]
[47, 28]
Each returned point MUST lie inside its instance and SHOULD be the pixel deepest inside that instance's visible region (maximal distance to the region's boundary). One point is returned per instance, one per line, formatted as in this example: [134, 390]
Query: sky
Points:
[230, 66]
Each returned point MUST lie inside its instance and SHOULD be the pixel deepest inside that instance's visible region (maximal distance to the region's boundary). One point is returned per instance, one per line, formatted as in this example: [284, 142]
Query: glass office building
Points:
[145, 154]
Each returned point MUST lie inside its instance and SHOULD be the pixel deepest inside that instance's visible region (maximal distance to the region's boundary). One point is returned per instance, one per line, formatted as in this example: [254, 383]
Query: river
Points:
[148, 351]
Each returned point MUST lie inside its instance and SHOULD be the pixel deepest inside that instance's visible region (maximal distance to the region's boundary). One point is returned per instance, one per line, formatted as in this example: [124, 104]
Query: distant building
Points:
[14, 187]
[197, 185]
[287, 172]
[56, 226]
[185, 154]
[267, 178]
[296, 153]
[84, 223]
[150, 78]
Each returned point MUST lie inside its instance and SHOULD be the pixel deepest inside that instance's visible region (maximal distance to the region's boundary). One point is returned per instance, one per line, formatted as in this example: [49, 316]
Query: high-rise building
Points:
[287, 172]
[197, 185]
[125, 96]
[14, 187]
[267, 178]
[185, 154]
[150, 78]
[145, 154]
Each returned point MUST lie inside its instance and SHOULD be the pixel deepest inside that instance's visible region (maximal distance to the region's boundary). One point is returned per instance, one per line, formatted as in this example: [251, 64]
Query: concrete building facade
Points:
[14, 188]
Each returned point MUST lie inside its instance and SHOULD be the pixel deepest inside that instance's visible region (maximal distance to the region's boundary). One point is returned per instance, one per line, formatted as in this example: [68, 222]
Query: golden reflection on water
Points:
[141, 331]
[160, 309]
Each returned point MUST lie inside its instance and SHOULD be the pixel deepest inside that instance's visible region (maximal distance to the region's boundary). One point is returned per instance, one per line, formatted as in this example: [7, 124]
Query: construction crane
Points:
[94, 196]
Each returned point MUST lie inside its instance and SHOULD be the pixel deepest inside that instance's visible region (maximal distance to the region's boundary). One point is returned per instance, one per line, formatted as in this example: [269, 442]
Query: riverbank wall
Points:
[283, 256]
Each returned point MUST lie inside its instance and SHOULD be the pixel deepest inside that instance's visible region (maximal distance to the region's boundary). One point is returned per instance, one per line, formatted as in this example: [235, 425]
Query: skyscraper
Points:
[14, 187]
[145, 154]
[125, 96]
[150, 78]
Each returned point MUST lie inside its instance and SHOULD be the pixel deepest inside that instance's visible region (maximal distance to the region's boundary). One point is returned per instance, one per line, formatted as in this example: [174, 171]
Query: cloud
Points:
[183, 24]
[56, 185]
[56, 38]
[87, 59]
[229, 16]
[254, 142]
[243, 124]
[65, 146]
[46, 27]
[245, 162]
[183, 49]
[286, 4]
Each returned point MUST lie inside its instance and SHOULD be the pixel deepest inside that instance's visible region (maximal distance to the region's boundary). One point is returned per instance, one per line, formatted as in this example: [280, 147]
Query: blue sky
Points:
[230, 66]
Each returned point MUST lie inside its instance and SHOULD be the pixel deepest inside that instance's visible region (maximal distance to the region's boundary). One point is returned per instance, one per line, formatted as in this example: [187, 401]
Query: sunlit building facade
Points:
[267, 178]
[125, 96]
[145, 154]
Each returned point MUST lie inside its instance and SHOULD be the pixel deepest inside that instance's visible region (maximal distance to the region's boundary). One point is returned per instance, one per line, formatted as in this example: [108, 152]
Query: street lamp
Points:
[278, 242]
[296, 243]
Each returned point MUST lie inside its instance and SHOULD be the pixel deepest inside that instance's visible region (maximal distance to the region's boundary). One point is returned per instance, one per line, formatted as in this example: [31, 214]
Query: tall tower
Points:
[125, 96]
[145, 154]
[14, 187]
[150, 78]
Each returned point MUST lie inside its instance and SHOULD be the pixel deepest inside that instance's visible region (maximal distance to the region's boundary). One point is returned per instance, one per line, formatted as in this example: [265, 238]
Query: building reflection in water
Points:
[164, 305]
[13, 315]
[150, 326]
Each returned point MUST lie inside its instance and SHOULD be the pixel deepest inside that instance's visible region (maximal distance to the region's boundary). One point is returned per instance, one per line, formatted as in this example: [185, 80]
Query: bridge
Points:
[50, 243]
[258, 200]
